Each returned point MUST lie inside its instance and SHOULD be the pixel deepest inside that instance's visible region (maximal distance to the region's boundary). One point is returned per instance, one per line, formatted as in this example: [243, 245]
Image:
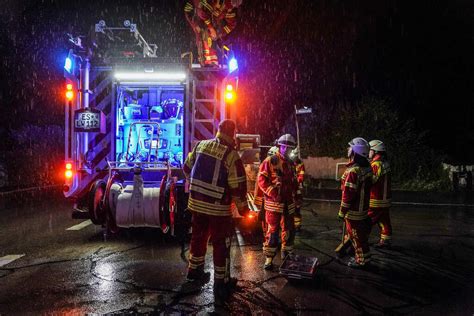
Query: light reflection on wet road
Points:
[429, 270]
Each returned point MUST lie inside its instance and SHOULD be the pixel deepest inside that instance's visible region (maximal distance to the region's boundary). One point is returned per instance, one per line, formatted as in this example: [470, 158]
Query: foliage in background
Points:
[414, 164]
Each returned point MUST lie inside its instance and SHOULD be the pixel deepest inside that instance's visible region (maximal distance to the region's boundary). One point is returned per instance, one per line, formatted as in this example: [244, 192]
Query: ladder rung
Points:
[204, 120]
[206, 100]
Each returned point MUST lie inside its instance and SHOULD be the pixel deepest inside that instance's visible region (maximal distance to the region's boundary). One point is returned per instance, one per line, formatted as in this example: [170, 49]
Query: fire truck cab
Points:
[130, 120]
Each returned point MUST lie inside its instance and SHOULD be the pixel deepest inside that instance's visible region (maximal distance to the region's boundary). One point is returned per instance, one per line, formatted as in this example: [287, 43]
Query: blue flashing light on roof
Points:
[233, 65]
[68, 64]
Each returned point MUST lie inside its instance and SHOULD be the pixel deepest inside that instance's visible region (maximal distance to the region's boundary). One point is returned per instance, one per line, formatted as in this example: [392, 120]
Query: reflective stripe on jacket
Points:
[381, 190]
[277, 180]
[355, 185]
[216, 176]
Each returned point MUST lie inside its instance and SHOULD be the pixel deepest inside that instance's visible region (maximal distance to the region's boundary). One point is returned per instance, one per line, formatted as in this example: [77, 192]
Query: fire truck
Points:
[131, 118]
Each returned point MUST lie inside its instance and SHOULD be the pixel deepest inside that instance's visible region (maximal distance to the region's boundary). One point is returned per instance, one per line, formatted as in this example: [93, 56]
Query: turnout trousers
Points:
[359, 232]
[381, 216]
[275, 221]
[218, 229]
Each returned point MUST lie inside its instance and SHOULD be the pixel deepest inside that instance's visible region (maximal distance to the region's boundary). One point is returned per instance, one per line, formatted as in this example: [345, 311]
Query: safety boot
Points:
[268, 263]
[383, 244]
[354, 264]
[222, 291]
[198, 275]
[284, 253]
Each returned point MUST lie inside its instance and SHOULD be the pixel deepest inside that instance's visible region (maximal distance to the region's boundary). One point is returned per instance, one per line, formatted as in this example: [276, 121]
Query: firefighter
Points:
[211, 21]
[258, 195]
[380, 193]
[299, 168]
[355, 184]
[217, 177]
[276, 178]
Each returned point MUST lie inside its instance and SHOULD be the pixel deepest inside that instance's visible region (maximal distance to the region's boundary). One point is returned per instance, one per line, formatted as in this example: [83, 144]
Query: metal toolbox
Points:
[299, 267]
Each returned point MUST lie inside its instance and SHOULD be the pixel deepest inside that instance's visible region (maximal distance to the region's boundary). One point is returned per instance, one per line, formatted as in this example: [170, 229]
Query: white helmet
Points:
[287, 140]
[360, 146]
[377, 145]
[272, 151]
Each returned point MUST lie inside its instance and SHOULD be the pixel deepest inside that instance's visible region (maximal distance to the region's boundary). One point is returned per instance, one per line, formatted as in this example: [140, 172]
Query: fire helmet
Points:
[359, 146]
[377, 145]
[272, 151]
[287, 140]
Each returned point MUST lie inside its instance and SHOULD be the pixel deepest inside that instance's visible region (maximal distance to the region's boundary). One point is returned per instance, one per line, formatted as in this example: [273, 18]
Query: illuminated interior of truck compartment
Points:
[150, 124]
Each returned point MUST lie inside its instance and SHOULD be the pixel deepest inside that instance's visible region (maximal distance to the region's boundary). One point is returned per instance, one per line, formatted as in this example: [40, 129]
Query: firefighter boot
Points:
[198, 276]
[284, 253]
[268, 263]
[223, 290]
[354, 264]
[384, 244]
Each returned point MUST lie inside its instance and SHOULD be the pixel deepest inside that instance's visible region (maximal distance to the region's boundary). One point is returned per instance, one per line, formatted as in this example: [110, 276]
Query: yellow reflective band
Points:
[236, 180]
[226, 29]
[207, 22]
[197, 259]
[345, 205]
[351, 185]
[204, 191]
[207, 185]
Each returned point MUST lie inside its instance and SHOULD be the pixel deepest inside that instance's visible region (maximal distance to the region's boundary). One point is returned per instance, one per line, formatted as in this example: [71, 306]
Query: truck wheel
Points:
[96, 203]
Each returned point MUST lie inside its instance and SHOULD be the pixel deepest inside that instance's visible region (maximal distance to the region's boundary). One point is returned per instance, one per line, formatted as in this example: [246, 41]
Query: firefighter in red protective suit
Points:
[299, 168]
[380, 193]
[277, 180]
[258, 195]
[216, 177]
[355, 184]
[211, 21]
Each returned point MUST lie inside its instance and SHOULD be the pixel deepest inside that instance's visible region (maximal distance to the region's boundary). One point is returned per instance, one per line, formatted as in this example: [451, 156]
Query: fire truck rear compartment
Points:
[149, 123]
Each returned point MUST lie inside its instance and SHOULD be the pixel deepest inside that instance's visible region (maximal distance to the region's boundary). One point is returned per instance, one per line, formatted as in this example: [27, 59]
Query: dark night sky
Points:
[326, 54]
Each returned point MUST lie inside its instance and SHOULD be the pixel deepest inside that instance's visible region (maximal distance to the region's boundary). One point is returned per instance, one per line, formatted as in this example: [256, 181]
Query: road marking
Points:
[80, 225]
[9, 258]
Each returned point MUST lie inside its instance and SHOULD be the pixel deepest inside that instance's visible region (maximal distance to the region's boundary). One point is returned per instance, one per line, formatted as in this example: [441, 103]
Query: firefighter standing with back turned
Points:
[355, 184]
[380, 193]
[217, 177]
[211, 21]
[277, 180]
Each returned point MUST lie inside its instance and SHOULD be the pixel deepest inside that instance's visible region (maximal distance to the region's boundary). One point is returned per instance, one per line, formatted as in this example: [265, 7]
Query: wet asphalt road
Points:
[428, 272]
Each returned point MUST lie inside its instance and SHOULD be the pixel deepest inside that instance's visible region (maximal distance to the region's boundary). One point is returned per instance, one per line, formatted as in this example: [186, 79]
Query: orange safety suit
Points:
[355, 185]
[381, 196]
[217, 177]
[299, 166]
[277, 180]
[211, 21]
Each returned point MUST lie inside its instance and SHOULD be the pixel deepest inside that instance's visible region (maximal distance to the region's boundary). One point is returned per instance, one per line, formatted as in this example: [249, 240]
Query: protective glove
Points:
[340, 215]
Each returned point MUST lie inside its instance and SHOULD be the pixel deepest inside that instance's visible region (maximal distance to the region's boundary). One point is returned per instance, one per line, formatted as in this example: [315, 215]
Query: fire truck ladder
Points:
[204, 118]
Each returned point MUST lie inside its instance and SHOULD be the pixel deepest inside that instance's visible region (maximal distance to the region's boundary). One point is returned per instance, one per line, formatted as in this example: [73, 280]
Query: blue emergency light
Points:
[68, 64]
[233, 65]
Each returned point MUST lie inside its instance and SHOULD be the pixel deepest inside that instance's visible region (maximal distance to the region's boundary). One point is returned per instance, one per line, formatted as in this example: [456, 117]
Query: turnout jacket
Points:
[380, 193]
[277, 180]
[355, 185]
[216, 176]
[218, 14]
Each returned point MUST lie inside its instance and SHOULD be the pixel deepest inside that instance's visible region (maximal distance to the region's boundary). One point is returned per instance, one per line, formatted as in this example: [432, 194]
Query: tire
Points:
[95, 202]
